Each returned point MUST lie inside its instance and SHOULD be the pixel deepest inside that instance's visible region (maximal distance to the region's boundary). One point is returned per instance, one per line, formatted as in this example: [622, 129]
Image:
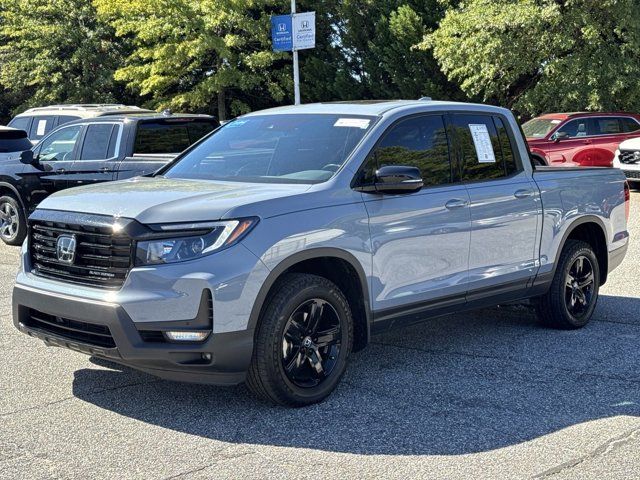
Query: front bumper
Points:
[222, 359]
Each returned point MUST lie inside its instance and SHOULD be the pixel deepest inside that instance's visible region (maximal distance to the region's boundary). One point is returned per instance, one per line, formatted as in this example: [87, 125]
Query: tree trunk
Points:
[222, 111]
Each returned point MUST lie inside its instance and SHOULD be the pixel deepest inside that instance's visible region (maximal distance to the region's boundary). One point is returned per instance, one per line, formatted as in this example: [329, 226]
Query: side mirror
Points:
[398, 179]
[560, 136]
[28, 158]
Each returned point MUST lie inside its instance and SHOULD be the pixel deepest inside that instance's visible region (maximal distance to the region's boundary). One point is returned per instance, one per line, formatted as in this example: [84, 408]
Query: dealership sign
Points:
[293, 32]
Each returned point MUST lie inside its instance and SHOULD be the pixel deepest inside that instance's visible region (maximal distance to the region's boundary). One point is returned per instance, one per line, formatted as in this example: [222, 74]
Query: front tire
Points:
[13, 224]
[572, 297]
[304, 339]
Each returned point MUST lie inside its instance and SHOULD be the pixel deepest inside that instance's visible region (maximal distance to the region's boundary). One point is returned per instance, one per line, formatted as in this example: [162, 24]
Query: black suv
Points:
[89, 151]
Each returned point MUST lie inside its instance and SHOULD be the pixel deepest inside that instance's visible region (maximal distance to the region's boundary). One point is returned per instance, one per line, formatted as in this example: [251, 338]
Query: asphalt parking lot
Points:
[488, 394]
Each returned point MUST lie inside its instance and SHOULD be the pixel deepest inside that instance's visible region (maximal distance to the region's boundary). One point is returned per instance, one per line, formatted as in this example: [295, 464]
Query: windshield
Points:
[539, 127]
[302, 148]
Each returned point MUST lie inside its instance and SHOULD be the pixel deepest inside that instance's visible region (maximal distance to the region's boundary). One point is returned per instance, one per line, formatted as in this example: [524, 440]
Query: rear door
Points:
[97, 154]
[420, 240]
[608, 133]
[505, 205]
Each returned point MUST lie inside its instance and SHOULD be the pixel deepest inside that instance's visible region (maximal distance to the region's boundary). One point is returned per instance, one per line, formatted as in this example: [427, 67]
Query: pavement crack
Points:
[600, 451]
[219, 458]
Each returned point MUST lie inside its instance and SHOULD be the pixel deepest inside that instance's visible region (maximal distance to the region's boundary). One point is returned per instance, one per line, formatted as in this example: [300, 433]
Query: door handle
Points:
[104, 169]
[588, 142]
[456, 203]
[60, 170]
[523, 193]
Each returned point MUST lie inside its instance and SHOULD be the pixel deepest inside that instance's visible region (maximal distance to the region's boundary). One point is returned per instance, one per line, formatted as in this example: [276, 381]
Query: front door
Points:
[98, 157]
[55, 155]
[505, 206]
[420, 241]
[576, 147]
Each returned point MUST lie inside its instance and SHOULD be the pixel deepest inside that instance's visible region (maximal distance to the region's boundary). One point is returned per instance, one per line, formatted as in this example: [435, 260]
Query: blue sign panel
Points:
[282, 33]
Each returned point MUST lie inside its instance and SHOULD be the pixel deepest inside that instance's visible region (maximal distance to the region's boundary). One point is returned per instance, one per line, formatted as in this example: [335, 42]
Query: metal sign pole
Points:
[296, 72]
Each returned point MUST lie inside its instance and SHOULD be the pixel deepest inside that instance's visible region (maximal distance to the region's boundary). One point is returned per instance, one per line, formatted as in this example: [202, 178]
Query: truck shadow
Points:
[460, 384]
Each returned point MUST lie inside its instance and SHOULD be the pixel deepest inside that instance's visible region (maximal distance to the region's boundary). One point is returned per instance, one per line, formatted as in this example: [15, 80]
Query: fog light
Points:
[186, 336]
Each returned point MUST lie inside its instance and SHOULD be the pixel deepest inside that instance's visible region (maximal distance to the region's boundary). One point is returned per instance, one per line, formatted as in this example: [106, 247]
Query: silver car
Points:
[280, 243]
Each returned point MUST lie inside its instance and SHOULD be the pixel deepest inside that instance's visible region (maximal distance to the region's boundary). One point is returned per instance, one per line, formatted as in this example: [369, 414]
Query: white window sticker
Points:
[482, 141]
[362, 123]
[555, 122]
[42, 127]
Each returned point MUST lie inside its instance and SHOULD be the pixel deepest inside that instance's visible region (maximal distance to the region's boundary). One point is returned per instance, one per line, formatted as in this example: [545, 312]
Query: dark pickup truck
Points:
[91, 151]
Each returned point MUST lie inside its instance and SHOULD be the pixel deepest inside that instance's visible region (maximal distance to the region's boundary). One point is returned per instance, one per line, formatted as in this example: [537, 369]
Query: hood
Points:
[163, 200]
[631, 144]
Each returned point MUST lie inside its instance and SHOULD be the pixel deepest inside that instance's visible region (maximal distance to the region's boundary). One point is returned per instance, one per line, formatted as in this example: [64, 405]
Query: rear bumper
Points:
[222, 359]
[617, 256]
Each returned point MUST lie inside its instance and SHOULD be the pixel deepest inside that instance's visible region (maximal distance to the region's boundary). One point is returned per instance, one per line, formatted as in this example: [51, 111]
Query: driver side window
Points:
[576, 128]
[60, 145]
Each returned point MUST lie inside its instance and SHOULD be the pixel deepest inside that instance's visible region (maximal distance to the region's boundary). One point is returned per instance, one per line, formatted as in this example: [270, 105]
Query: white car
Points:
[627, 159]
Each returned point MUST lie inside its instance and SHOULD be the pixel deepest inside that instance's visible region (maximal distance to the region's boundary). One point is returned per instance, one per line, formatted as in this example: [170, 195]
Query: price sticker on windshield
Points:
[482, 142]
[362, 123]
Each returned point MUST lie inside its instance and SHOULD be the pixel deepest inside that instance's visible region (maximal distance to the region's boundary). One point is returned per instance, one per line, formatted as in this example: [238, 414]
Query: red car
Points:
[579, 139]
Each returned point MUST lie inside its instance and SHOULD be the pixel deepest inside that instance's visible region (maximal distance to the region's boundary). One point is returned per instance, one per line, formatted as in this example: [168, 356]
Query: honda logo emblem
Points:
[282, 27]
[304, 24]
[66, 249]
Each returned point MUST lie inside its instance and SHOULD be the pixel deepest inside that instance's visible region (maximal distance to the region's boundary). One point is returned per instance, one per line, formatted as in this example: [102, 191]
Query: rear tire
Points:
[294, 364]
[572, 297]
[13, 223]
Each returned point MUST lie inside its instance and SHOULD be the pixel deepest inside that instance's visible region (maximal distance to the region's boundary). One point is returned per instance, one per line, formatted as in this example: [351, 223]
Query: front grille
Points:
[629, 156]
[632, 174]
[102, 258]
[92, 334]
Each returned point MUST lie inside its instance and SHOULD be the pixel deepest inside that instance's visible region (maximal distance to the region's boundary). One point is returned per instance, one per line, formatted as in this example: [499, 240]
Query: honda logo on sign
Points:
[304, 24]
[282, 27]
[66, 249]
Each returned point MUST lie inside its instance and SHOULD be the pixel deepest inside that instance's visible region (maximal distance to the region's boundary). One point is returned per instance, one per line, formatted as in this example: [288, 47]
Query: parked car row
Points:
[103, 148]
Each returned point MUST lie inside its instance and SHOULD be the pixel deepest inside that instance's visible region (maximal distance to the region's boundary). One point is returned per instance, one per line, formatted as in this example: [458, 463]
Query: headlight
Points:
[211, 237]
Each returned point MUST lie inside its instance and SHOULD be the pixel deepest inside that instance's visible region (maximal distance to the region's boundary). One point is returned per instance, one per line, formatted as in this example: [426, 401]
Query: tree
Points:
[56, 51]
[377, 41]
[543, 55]
[199, 55]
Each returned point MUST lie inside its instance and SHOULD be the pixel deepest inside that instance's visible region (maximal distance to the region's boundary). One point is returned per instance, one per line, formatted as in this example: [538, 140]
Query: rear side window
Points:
[508, 155]
[478, 147]
[606, 126]
[629, 124]
[40, 126]
[169, 136]
[96, 142]
[62, 119]
[13, 141]
[21, 123]
[416, 142]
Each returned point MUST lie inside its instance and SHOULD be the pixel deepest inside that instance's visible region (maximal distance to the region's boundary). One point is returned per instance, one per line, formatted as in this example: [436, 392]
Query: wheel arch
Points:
[590, 229]
[338, 266]
[8, 188]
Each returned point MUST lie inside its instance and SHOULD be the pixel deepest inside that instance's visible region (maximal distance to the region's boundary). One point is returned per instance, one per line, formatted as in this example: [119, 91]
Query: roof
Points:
[366, 107]
[143, 116]
[567, 115]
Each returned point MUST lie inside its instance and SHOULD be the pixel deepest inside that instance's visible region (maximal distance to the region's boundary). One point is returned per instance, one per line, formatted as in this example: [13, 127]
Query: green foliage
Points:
[55, 51]
[543, 55]
[197, 55]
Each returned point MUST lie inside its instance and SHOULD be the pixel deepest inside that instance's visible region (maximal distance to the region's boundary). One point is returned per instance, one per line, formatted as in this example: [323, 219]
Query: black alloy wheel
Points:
[311, 343]
[579, 286]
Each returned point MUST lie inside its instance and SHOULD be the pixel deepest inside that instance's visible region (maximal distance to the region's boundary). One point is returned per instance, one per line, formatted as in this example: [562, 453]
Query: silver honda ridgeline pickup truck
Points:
[277, 245]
